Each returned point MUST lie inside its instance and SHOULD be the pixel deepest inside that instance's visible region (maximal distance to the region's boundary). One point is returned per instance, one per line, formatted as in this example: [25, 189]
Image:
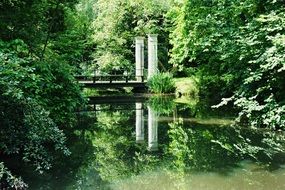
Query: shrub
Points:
[161, 83]
[37, 101]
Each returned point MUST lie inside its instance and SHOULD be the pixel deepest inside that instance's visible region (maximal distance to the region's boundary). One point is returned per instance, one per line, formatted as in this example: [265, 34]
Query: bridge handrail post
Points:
[110, 77]
[127, 75]
[94, 77]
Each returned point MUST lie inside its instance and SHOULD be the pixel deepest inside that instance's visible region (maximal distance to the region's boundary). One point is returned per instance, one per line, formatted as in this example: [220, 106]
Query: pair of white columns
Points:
[152, 56]
[152, 127]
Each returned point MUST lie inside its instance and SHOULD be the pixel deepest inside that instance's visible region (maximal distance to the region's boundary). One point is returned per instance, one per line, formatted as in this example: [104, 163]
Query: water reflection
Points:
[152, 121]
[152, 129]
[146, 145]
[249, 176]
[139, 123]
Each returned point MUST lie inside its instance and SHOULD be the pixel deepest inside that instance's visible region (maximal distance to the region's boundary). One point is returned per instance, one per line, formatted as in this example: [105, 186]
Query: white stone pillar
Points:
[152, 130]
[139, 123]
[139, 58]
[152, 55]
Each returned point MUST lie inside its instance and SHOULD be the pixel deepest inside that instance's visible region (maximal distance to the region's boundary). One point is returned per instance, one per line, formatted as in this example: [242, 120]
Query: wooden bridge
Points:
[135, 80]
[112, 81]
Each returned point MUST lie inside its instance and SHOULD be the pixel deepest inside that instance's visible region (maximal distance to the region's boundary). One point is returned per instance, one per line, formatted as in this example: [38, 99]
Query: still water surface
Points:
[159, 144]
[247, 176]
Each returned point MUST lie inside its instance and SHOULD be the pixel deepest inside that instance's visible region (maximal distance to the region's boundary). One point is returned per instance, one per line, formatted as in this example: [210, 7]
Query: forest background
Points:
[235, 50]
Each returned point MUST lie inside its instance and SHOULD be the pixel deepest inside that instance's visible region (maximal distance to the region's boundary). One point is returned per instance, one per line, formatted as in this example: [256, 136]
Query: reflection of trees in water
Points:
[202, 148]
[104, 148]
[220, 149]
[117, 154]
[75, 170]
[183, 147]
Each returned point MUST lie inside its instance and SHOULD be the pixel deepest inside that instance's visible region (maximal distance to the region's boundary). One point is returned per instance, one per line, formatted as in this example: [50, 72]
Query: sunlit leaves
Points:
[29, 114]
[265, 82]
[116, 25]
[14, 182]
[238, 46]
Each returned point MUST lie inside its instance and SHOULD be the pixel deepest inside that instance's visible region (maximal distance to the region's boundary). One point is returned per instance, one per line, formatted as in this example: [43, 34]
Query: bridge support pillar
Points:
[139, 123]
[152, 130]
[139, 58]
[152, 55]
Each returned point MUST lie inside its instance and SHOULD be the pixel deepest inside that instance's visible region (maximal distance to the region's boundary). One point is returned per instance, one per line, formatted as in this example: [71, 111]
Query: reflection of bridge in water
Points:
[152, 127]
[152, 116]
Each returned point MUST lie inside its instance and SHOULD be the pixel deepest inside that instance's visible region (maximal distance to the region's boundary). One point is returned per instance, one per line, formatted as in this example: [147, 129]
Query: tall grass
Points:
[161, 83]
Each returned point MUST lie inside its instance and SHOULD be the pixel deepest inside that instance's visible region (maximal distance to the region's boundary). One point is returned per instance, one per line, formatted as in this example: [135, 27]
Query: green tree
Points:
[261, 95]
[116, 25]
[27, 128]
[38, 93]
[233, 46]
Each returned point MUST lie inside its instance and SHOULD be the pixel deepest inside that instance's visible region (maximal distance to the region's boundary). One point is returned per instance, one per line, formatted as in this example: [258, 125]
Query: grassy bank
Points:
[186, 90]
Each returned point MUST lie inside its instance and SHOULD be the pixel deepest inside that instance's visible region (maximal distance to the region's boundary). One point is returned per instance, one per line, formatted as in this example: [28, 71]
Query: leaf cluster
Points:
[238, 50]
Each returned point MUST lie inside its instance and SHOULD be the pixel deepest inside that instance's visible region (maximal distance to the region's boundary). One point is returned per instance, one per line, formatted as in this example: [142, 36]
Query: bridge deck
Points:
[113, 84]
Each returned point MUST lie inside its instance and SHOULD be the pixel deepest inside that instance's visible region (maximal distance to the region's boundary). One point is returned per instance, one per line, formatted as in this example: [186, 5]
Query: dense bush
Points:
[161, 83]
[37, 101]
[38, 93]
[238, 48]
[261, 95]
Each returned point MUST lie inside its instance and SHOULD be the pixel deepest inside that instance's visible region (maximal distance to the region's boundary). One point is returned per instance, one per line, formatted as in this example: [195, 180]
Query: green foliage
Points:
[178, 144]
[161, 83]
[261, 96]
[116, 25]
[12, 181]
[162, 104]
[29, 128]
[187, 87]
[238, 48]
[35, 22]
[203, 38]
[235, 48]
[74, 45]
[60, 92]
[38, 93]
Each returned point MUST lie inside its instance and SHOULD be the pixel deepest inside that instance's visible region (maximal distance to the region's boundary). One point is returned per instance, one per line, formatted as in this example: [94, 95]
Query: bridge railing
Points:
[121, 76]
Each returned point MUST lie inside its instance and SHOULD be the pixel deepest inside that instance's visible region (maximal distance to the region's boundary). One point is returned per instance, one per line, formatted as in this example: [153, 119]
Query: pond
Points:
[160, 144]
